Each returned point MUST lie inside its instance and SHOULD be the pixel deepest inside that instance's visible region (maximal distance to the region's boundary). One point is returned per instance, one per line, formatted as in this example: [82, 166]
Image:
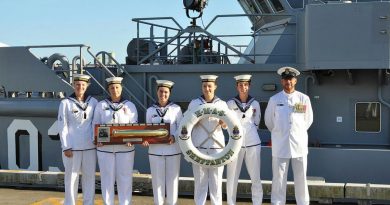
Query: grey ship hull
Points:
[351, 157]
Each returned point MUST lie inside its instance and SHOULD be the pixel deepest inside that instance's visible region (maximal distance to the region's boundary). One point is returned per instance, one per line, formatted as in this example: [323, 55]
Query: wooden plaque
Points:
[134, 133]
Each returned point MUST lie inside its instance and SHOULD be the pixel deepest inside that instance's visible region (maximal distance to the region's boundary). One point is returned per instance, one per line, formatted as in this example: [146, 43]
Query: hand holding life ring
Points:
[192, 154]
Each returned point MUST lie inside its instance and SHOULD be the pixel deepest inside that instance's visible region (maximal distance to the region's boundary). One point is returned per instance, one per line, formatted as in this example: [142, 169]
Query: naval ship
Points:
[342, 49]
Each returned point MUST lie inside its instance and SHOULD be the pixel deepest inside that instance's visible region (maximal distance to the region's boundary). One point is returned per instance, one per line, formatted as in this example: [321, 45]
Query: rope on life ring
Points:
[229, 152]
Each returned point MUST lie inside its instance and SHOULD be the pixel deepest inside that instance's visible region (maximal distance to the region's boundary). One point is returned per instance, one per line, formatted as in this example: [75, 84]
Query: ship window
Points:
[296, 4]
[277, 5]
[263, 106]
[253, 9]
[263, 5]
[250, 8]
[2, 92]
[368, 117]
[29, 94]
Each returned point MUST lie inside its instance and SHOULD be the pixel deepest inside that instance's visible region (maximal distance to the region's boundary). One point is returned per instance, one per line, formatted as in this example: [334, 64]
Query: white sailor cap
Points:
[81, 77]
[165, 83]
[114, 80]
[243, 78]
[209, 78]
[288, 72]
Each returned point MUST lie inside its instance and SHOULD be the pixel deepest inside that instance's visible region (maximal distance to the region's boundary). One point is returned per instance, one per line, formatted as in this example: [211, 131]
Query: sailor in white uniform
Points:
[116, 161]
[247, 109]
[165, 158]
[79, 154]
[288, 116]
[208, 137]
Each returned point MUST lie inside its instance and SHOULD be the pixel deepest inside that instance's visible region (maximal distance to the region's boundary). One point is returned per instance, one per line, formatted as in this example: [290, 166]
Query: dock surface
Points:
[19, 196]
[47, 188]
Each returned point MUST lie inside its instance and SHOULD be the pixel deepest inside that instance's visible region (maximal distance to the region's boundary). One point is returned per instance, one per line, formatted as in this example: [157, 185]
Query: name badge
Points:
[299, 108]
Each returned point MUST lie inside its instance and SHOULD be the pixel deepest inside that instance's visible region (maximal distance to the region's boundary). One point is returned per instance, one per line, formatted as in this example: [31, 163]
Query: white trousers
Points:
[116, 167]
[208, 179]
[84, 162]
[252, 162]
[279, 180]
[165, 178]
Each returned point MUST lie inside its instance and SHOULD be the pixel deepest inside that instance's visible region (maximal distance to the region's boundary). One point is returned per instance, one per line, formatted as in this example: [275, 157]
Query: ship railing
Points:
[75, 68]
[71, 70]
[193, 45]
[123, 70]
[80, 69]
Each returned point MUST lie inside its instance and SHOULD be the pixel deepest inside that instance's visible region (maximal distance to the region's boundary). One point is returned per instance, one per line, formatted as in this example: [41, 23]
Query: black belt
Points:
[251, 145]
[116, 152]
[80, 150]
[159, 155]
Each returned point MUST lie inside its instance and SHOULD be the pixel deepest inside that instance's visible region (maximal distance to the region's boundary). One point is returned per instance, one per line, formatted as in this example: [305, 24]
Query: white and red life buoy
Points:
[192, 154]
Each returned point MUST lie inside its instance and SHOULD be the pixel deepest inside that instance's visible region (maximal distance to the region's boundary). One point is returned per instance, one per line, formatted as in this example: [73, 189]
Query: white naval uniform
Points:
[288, 117]
[208, 178]
[249, 115]
[164, 158]
[76, 134]
[116, 161]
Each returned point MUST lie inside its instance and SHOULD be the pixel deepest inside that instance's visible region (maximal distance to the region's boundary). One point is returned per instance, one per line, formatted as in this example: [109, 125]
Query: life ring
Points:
[192, 154]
